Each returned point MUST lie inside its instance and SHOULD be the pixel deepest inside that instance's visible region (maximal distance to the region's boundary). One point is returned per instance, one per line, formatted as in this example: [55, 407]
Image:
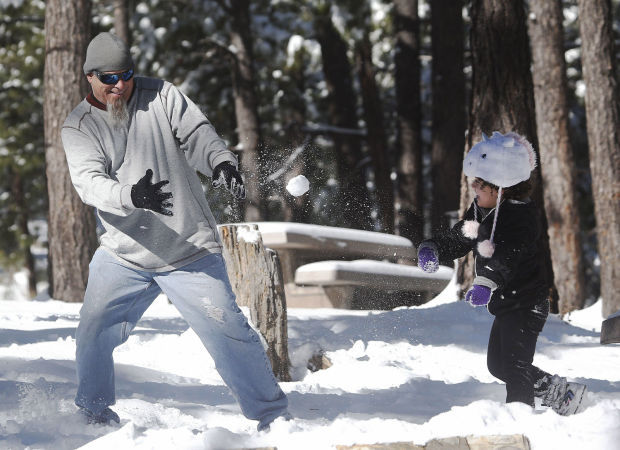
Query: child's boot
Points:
[562, 396]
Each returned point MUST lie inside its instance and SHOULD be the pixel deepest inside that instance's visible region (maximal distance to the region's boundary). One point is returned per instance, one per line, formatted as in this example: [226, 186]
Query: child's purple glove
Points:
[478, 295]
[428, 260]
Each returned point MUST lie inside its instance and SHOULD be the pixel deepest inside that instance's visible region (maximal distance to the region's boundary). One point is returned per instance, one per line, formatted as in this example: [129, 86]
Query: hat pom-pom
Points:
[486, 248]
[470, 229]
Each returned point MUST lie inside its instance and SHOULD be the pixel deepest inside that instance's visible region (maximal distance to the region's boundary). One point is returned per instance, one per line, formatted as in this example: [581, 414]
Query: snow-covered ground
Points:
[411, 374]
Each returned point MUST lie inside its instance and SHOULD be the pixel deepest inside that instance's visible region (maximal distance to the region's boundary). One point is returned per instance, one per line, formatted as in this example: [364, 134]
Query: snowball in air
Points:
[298, 185]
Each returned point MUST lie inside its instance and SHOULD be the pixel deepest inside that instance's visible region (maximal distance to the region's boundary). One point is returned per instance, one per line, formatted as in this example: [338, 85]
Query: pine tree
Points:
[448, 109]
[603, 111]
[503, 97]
[556, 156]
[71, 224]
[22, 153]
[409, 197]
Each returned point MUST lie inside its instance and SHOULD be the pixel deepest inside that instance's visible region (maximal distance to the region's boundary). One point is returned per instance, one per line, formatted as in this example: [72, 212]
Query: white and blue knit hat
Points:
[503, 160]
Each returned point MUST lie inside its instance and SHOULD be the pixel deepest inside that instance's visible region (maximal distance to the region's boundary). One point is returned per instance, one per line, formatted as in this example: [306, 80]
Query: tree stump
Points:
[610, 329]
[256, 278]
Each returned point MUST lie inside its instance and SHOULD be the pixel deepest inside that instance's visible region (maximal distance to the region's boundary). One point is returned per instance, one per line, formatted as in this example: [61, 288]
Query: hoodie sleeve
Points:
[452, 244]
[87, 168]
[203, 147]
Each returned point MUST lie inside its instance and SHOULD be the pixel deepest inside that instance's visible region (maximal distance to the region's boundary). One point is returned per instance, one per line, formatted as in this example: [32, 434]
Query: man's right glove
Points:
[145, 194]
[226, 174]
[427, 259]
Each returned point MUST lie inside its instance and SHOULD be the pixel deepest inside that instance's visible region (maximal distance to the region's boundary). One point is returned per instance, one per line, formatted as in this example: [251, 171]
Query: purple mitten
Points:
[428, 260]
[478, 295]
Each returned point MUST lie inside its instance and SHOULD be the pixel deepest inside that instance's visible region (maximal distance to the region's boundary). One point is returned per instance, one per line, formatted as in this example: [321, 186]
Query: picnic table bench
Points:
[336, 267]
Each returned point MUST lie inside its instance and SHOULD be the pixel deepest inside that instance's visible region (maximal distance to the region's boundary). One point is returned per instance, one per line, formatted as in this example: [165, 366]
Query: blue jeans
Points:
[117, 296]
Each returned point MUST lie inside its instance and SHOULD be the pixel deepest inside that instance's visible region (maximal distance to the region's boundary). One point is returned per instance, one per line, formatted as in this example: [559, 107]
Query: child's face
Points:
[487, 196]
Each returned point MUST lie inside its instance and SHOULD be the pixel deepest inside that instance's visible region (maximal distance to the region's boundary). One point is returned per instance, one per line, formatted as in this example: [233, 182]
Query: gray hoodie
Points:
[167, 133]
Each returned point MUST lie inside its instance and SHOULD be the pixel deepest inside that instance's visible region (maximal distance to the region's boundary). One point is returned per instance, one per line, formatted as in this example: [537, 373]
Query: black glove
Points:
[145, 194]
[226, 174]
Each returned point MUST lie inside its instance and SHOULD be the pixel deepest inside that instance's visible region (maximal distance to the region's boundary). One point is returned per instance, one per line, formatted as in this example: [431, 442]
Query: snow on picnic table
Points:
[373, 267]
[321, 232]
[411, 374]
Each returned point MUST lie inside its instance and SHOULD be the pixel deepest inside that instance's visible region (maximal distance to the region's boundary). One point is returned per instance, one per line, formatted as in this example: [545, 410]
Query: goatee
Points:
[118, 112]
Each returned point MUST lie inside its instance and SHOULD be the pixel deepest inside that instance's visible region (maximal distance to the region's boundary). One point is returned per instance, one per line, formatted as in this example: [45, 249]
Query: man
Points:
[126, 142]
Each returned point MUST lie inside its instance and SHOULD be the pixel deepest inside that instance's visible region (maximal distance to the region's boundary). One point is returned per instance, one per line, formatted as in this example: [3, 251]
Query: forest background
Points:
[375, 102]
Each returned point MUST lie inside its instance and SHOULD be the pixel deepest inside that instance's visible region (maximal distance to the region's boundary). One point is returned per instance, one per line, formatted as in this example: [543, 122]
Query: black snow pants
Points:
[510, 353]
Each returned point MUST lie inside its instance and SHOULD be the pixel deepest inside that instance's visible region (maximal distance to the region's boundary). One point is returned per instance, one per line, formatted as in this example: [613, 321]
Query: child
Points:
[510, 277]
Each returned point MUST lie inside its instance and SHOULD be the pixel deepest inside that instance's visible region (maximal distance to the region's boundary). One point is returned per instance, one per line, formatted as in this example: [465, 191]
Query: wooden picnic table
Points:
[340, 277]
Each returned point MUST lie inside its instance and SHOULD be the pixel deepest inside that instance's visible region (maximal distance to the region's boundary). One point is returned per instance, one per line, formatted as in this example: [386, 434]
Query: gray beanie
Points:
[107, 53]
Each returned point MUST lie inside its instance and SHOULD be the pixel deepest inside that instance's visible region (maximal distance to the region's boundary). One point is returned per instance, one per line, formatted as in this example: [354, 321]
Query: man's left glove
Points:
[145, 194]
[478, 295]
[226, 174]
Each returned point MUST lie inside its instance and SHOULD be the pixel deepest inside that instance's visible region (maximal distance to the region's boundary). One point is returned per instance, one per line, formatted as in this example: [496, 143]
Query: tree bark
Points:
[502, 97]
[121, 20]
[375, 135]
[603, 124]
[71, 224]
[556, 155]
[355, 209]
[256, 279]
[246, 109]
[409, 186]
[448, 110]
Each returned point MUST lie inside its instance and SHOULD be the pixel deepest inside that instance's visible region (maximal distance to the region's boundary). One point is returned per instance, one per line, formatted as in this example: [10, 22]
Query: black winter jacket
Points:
[517, 265]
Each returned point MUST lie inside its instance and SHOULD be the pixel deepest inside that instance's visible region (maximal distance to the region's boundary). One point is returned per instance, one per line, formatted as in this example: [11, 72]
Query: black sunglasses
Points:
[112, 78]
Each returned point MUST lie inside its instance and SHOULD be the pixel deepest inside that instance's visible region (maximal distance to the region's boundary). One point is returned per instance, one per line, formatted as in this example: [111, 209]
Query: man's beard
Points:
[118, 112]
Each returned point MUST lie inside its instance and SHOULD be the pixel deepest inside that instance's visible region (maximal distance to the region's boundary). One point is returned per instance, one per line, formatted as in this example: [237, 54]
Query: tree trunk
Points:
[502, 96]
[448, 110]
[556, 155]
[355, 203]
[603, 123]
[71, 224]
[121, 20]
[256, 279]
[409, 186]
[375, 135]
[246, 110]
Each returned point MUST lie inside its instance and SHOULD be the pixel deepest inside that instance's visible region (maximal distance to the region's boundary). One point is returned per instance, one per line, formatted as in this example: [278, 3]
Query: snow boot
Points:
[265, 425]
[562, 396]
[104, 417]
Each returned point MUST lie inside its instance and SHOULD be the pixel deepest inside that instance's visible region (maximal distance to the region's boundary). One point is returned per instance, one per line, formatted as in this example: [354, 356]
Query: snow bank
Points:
[411, 374]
